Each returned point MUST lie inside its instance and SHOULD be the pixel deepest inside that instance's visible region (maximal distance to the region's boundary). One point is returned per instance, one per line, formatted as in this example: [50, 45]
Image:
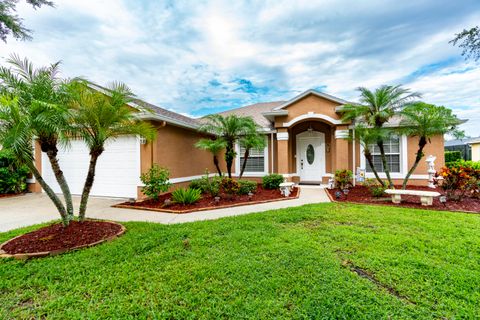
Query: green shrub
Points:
[207, 185]
[343, 179]
[13, 177]
[375, 188]
[452, 156]
[272, 181]
[186, 196]
[246, 186]
[156, 181]
[465, 164]
[229, 186]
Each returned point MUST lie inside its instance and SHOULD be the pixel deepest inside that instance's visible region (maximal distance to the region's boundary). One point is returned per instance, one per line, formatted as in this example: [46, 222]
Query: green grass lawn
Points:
[291, 263]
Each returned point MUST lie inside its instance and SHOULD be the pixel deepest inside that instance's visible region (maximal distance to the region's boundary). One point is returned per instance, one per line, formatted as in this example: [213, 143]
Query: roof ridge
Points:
[251, 105]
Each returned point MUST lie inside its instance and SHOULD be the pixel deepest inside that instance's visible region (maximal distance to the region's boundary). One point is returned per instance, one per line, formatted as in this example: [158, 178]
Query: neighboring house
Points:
[307, 142]
[475, 145]
[462, 145]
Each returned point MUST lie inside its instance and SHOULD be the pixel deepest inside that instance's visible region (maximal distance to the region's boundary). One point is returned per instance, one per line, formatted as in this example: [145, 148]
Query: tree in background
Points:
[425, 121]
[469, 41]
[10, 23]
[214, 146]
[376, 108]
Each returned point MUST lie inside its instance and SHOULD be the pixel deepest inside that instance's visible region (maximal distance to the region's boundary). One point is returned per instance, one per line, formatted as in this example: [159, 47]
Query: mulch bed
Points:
[208, 203]
[361, 194]
[56, 238]
[9, 195]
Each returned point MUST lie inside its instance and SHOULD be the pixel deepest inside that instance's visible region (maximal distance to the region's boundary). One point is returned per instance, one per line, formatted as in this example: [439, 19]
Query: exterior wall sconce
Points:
[143, 140]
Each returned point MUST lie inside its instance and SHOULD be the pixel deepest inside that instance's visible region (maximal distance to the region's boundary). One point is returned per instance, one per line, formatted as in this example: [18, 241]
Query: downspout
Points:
[354, 156]
[271, 153]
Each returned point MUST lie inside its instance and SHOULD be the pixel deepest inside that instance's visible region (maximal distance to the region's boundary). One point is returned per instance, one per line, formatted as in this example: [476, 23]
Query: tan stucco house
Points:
[307, 142]
[475, 150]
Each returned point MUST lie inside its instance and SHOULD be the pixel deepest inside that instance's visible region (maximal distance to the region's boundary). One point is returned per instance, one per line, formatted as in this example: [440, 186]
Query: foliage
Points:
[228, 130]
[459, 181]
[469, 41]
[207, 185]
[463, 163]
[376, 189]
[214, 146]
[452, 156]
[12, 176]
[252, 140]
[186, 195]
[343, 179]
[425, 255]
[156, 181]
[10, 23]
[272, 181]
[229, 186]
[246, 186]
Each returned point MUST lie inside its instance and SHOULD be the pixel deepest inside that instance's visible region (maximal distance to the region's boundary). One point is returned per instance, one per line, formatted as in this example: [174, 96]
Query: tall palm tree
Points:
[376, 108]
[16, 134]
[43, 98]
[214, 147]
[253, 140]
[228, 129]
[425, 121]
[99, 117]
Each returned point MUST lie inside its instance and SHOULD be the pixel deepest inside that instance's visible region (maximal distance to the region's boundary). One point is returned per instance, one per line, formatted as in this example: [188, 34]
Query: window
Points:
[392, 153]
[255, 161]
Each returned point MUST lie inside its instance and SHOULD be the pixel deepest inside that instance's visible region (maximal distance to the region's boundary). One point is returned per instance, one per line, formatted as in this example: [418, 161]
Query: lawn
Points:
[317, 261]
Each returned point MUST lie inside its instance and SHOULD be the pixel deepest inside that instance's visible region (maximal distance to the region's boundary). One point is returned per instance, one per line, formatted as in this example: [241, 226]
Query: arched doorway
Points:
[310, 156]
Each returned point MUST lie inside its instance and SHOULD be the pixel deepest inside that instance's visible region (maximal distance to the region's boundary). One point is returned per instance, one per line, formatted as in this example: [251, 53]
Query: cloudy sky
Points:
[201, 57]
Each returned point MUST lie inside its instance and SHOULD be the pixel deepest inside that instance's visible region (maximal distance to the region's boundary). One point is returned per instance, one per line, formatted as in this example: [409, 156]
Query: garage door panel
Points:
[117, 171]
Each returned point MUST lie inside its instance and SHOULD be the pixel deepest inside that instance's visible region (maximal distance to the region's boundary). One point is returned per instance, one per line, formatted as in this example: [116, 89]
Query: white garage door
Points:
[117, 173]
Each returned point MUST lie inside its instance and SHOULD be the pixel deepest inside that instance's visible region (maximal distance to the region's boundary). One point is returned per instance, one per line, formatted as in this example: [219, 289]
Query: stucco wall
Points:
[476, 152]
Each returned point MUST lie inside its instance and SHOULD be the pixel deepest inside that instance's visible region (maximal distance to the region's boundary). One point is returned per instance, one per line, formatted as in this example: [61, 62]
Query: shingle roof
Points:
[255, 111]
[460, 142]
[168, 115]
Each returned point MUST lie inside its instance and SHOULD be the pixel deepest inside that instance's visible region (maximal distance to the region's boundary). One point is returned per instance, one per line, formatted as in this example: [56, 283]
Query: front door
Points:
[311, 156]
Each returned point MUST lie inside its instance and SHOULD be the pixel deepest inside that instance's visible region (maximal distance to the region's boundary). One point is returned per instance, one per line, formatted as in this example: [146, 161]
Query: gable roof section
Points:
[311, 92]
[255, 111]
[160, 114]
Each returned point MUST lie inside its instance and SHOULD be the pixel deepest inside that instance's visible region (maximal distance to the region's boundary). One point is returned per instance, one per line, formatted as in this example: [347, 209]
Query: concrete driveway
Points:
[29, 209]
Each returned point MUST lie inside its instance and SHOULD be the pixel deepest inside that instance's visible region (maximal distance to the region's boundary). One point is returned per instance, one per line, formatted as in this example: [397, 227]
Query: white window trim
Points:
[403, 162]
[251, 174]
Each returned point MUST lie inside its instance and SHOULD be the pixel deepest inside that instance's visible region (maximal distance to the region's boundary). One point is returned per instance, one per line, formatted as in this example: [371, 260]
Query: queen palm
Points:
[376, 108]
[228, 129]
[214, 146]
[425, 121]
[99, 117]
[42, 101]
[253, 140]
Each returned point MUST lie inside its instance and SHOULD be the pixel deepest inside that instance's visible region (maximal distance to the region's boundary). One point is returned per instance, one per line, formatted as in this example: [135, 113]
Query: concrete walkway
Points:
[21, 211]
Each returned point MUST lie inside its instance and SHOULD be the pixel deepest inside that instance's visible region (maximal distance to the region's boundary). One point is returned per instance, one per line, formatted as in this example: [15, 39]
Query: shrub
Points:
[186, 196]
[13, 177]
[452, 156]
[272, 181]
[343, 179]
[229, 186]
[463, 163]
[459, 181]
[246, 186]
[156, 181]
[207, 185]
[375, 188]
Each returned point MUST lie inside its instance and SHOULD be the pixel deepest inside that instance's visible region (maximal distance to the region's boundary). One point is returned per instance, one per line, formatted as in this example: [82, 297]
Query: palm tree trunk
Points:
[369, 158]
[215, 162]
[244, 165]
[62, 182]
[229, 155]
[50, 193]
[386, 169]
[421, 144]
[88, 185]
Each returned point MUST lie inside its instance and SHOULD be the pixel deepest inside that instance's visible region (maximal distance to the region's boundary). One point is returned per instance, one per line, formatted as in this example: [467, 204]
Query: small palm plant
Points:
[253, 140]
[99, 117]
[214, 146]
[425, 121]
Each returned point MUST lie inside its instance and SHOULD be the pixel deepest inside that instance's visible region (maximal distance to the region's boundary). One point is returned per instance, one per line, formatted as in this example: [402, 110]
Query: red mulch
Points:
[57, 237]
[208, 202]
[8, 195]
[361, 194]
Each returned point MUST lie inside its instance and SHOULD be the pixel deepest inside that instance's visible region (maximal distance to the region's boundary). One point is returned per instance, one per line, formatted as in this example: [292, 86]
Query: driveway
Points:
[29, 209]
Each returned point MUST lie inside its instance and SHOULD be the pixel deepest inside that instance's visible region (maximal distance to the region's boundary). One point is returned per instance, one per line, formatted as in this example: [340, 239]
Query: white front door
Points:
[311, 156]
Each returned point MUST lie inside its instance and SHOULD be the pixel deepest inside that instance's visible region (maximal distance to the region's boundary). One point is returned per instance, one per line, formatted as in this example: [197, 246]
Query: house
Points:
[462, 145]
[475, 147]
[306, 142]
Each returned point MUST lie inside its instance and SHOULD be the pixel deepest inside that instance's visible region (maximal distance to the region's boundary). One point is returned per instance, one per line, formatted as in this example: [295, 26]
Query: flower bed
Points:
[56, 239]
[208, 202]
[361, 194]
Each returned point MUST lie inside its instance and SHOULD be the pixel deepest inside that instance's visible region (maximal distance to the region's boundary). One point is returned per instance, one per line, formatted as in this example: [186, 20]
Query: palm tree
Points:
[214, 147]
[43, 99]
[425, 121]
[376, 109]
[16, 134]
[367, 137]
[98, 117]
[228, 129]
[253, 140]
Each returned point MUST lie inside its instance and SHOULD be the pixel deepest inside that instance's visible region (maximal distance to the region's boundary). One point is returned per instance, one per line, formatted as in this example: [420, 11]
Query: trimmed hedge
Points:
[246, 186]
[272, 181]
[452, 156]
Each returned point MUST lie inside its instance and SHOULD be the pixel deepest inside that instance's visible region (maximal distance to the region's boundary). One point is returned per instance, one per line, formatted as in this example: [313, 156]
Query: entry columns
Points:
[341, 148]
[282, 151]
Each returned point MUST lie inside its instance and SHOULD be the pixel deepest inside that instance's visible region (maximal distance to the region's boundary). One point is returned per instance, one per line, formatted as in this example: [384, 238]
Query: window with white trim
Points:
[255, 160]
[392, 153]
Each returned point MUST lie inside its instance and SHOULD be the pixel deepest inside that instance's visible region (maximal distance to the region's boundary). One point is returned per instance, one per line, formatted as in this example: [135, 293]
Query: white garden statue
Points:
[431, 170]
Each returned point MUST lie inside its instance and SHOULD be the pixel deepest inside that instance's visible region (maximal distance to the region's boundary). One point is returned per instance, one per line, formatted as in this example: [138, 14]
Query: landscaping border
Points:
[125, 206]
[28, 255]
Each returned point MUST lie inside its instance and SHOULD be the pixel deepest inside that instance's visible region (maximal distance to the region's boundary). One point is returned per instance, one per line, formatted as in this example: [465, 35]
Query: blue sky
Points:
[200, 57]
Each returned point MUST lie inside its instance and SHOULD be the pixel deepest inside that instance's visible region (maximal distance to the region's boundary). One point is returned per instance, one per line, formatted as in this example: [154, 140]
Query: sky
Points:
[200, 57]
